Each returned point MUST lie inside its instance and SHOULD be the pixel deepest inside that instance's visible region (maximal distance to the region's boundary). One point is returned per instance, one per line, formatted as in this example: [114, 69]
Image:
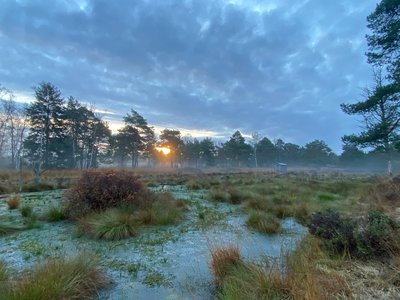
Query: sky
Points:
[207, 67]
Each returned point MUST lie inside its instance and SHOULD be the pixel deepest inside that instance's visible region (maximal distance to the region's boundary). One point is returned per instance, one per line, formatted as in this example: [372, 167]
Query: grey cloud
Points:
[197, 64]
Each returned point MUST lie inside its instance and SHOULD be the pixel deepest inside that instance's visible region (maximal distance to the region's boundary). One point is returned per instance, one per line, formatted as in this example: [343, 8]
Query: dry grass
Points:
[307, 275]
[263, 222]
[222, 260]
[112, 224]
[77, 278]
[13, 201]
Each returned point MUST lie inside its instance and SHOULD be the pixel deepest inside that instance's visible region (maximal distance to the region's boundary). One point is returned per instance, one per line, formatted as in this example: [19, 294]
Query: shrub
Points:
[54, 215]
[222, 260]
[263, 222]
[77, 278]
[374, 235]
[97, 190]
[377, 235]
[112, 224]
[13, 202]
[336, 232]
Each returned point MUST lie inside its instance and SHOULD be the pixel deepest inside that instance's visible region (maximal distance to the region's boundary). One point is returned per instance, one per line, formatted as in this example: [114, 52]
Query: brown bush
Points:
[98, 190]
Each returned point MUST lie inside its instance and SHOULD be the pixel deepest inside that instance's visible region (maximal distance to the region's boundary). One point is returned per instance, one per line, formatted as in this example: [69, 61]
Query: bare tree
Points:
[255, 139]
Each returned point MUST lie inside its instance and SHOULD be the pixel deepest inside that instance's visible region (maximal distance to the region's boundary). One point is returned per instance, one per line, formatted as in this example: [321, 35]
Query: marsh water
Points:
[163, 262]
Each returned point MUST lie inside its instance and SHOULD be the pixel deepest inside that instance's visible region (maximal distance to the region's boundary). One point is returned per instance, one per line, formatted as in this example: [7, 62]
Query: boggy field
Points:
[112, 234]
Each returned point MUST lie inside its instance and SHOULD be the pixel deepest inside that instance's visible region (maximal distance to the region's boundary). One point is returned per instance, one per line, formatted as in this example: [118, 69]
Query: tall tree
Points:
[45, 139]
[267, 153]
[208, 152]
[380, 109]
[384, 40]
[255, 138]
[318, 153]
[235, 151]
[135, 138]
[172, 139]
[381, 116]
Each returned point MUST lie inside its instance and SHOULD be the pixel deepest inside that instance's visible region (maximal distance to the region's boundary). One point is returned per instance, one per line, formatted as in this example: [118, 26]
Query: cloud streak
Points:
[275, 67]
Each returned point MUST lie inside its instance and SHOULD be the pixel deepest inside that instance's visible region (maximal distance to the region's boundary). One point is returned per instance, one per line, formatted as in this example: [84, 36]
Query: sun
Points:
[164, 150]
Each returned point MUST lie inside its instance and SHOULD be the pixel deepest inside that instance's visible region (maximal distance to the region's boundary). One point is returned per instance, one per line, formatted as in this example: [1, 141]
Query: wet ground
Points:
[169, 262]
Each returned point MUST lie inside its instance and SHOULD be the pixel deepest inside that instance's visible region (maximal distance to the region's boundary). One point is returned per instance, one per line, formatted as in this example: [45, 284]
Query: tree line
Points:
[53, 132]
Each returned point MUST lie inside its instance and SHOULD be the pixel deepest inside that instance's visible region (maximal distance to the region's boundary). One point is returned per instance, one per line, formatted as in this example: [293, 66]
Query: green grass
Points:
[112, 224]
[26, 211]
[54, 214]
[77, 278]
[263, 222]
[3, 273]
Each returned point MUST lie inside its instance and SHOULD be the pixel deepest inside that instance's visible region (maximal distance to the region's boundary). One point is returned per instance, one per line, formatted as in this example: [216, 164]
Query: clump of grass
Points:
[158, 209]
[193, 185]
[237, 196]
[224, 259]
[112, 224]
[302, 212]
[219, 195]
[31, 222]
[257, 203]
[26, 211]
[263, 222]
[251, 281]
[301, 279]
[54, 214]
[13, 202]
[77, 278]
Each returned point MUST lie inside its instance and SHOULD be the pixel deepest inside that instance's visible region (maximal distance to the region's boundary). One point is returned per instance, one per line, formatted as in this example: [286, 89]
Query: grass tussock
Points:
[26, 211]
[77, 278]
[223, 260]
[13, 202]
[263, 222]
[303, 278]
[112, 224]
[54, 214]
[124, 222]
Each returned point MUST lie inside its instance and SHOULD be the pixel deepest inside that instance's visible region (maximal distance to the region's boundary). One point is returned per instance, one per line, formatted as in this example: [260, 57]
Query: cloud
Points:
[277, 67]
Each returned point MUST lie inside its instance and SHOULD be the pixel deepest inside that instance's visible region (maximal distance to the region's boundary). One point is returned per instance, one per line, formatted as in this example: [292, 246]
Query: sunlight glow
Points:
[164, 150]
